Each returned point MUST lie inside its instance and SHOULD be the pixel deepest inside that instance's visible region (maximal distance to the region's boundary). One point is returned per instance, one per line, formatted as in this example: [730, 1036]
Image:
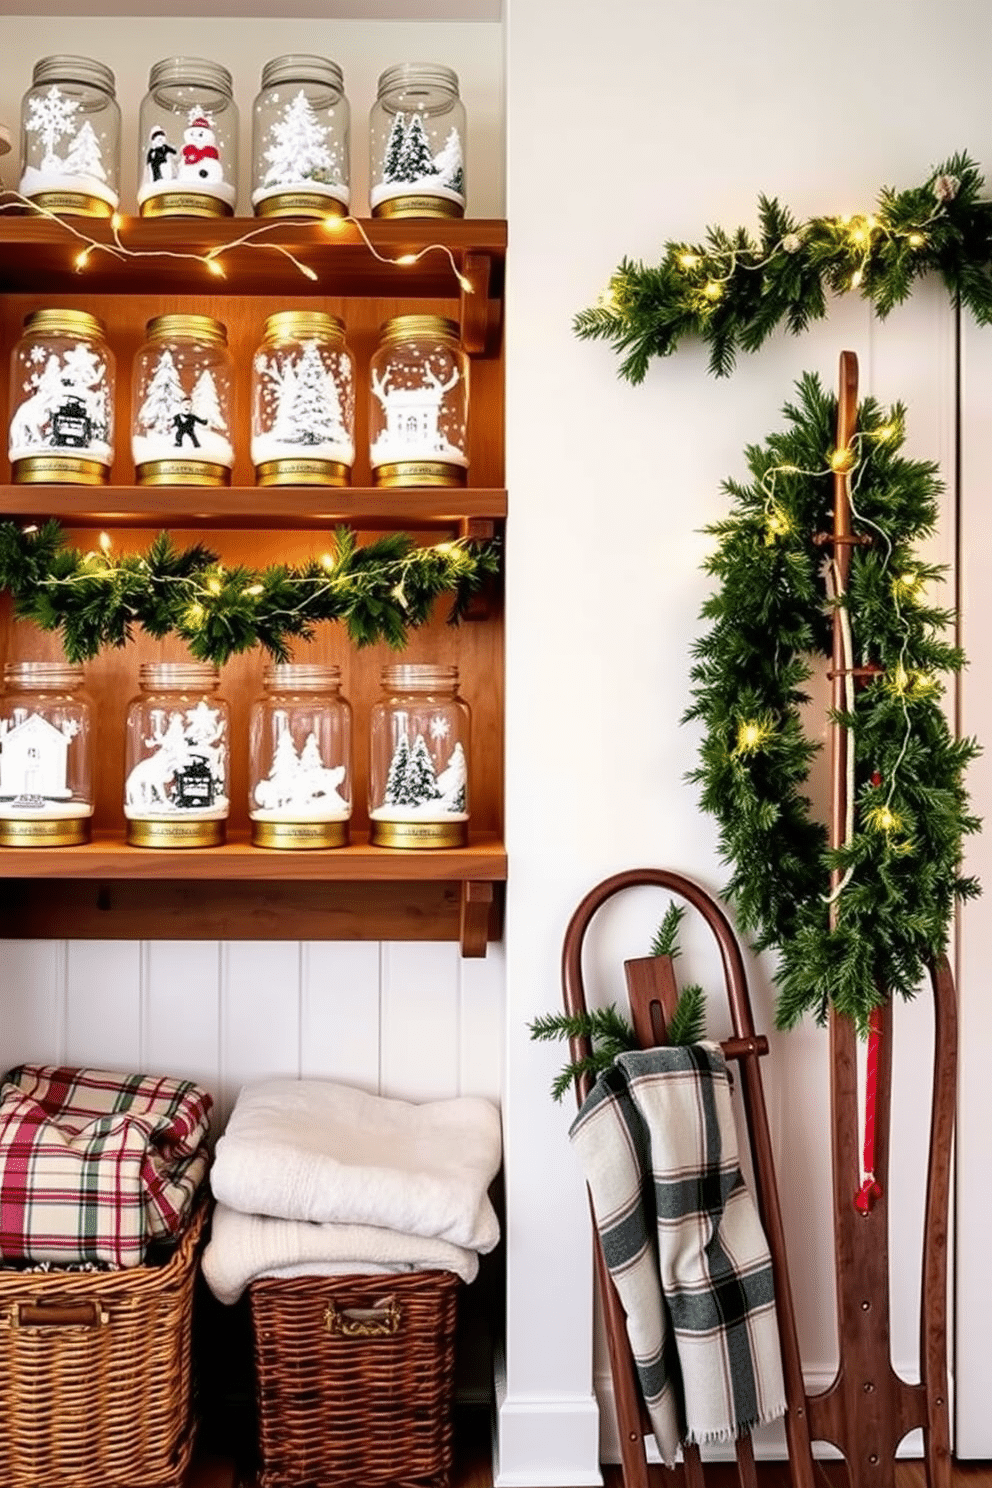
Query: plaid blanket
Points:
[95, 1166]
[657, 1142]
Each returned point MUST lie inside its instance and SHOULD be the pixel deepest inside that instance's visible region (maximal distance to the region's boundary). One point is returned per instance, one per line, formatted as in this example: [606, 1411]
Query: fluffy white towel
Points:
[243, 1247]
[315, 1150]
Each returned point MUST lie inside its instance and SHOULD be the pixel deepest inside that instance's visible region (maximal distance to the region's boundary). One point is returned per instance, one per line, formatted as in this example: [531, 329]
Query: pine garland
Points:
[769, 621]
[734, 289]
[379, 592]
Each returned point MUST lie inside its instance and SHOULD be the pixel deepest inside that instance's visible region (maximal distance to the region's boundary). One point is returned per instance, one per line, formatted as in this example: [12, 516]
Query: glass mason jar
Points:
[417, 143]
[299, 792]
[71, 138]
[188, 146]
[182, 393]
[46, 785]
[62, 400]
[419, 759]
[177, 765]
[300, 133]
[303, 402]
[418, 404]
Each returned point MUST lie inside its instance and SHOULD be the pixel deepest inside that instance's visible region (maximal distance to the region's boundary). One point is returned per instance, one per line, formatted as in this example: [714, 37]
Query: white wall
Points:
[631, 124]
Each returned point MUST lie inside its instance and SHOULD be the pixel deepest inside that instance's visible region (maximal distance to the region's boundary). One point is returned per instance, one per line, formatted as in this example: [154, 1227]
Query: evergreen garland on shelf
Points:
[734, 289]
[379, 592]
[769, 620]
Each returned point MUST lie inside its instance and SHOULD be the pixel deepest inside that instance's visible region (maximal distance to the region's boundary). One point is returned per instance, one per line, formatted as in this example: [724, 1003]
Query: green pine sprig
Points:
[734, 289]
[95, 600]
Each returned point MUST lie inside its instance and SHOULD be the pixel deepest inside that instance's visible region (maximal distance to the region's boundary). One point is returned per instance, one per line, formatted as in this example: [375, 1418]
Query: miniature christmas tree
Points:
[206, 404]
[394, 792]
[394, 151]
[162, 398]
[416, 160]
[315, 413]
[299, 151]
[419, 779]
[449, 163]
[84, 157]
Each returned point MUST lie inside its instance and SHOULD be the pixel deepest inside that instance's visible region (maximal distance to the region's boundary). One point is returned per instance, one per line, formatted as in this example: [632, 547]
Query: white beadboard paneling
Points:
[181, 1022]
[339, 1012]
[420, 1006]
[32, 988]
[103, 1004]
[260, 1015]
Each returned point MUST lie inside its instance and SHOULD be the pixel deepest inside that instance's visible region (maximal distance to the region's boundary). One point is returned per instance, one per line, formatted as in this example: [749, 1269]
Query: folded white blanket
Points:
[315, 1150]
[243, 1247]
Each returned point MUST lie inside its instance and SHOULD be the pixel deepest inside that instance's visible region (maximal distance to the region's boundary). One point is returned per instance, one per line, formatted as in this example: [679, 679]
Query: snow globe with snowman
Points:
[182, 403]
[300, 140]
[417, 143]
[61, 428]
[187, 157]
[419, 759]
[299, 790]
[71, 138]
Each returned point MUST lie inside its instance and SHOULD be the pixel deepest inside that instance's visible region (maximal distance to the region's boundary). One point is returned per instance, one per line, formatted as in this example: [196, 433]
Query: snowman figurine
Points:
[199, 157]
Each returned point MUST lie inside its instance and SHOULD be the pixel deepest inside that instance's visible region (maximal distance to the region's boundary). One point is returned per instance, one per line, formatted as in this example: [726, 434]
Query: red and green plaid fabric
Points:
[96, 1165]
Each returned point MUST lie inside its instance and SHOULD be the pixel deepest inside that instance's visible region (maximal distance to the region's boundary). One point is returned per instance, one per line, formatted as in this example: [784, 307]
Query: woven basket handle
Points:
[59, 1315]
[363, 1322]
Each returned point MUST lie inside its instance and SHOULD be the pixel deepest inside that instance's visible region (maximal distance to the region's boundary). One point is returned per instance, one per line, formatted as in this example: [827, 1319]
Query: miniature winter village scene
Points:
[417, 423]
[299, 785]
[416, 790]
[193, 164]
[410, 168]
[34, 773]
[66, 403]
[301, 153]
[304, 404]
[68, 150]
[185, 772]
[180, 414]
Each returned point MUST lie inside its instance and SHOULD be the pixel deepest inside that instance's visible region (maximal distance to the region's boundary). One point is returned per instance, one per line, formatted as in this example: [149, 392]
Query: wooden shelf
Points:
[283, 507]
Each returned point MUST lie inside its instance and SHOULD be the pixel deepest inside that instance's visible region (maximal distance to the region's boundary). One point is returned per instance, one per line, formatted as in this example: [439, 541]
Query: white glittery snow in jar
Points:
[177, 757]
[188, 144]
[417, 143]
[299, 766]
[419, 759]
[418, 404]
[182, 391]
[46, 786]
[300, 140]
[61, 400]
[303, 401]
[71, 138]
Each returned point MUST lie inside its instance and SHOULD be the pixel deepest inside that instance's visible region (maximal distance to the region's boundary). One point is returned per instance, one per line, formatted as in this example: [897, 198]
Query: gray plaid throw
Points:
[683, 1242]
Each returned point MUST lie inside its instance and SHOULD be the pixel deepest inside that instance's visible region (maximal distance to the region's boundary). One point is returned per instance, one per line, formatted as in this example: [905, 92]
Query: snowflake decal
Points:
[440, 728]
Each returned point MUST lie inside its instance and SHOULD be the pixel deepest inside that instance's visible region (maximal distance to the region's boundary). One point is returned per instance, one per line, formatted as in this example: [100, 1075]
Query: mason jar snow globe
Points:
[177, 764]
[299, 792]
[419, 759]
[303, 401]
[300, 134]
[188, 146]
[71, 138]
[46, 785]
[418, 404]
[417, 143]
[61, 400]
[182, 392]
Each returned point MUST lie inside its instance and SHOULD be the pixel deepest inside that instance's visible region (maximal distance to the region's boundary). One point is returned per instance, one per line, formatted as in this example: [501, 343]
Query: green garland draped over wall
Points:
[770, 621]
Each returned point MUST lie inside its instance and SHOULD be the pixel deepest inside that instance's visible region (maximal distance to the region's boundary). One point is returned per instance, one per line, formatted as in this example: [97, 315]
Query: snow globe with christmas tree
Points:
[46, 785]
[418, 403]
[71, 138]
[417, 143]
[182, 403]
[61, 428]
[419, 759]
[177, 757]
[300, 140]
[299, 758]
[188, 146]
[303, 401]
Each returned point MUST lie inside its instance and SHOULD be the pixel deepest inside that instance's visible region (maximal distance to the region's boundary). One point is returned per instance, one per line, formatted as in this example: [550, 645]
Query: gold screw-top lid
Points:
[195, 327]
[411, 327]
[300, 325]
[65, 323]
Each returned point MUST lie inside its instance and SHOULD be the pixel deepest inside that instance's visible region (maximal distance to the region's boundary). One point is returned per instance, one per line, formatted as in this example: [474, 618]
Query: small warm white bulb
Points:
[116, 221]
[105, 541]
[215, 268]
[82, 259]
[406, 259]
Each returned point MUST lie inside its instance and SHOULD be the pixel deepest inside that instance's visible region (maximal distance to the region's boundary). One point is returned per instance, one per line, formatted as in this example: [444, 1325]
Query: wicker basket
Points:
[356, 1379]
[95, 1374]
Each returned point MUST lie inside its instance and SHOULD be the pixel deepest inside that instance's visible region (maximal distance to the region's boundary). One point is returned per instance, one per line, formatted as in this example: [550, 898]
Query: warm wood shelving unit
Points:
[108, 890]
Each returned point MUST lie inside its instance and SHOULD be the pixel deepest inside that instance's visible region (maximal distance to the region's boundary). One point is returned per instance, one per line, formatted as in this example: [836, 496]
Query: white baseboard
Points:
[545, 1443]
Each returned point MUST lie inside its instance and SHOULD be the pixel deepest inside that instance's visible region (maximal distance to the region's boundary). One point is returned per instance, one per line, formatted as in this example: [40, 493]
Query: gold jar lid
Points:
[65, 323]
[303, 325]
[195, 327]
[411, 327]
